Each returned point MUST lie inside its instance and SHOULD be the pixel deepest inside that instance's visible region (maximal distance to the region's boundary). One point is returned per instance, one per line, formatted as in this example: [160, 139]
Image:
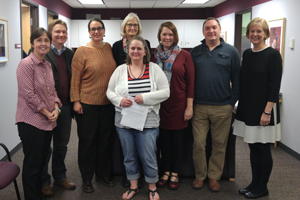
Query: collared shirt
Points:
[35, 91]
[56, 51]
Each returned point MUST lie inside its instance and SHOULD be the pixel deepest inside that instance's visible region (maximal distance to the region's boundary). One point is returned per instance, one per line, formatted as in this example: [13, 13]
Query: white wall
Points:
[290, 80]
[270, 10]
[8, 81]
[68, 22]
[43, 17]
[227, 24]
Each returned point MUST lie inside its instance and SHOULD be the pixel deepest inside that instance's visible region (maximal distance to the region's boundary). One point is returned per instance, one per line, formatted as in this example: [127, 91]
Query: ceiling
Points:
[125, 4]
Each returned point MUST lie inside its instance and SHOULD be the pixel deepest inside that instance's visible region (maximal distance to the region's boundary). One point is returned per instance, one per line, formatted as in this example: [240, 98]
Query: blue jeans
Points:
[139, 144]
[61, 137]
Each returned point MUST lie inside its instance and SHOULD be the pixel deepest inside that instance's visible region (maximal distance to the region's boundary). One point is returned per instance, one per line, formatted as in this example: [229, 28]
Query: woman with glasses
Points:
[92, 66]
[130, 27]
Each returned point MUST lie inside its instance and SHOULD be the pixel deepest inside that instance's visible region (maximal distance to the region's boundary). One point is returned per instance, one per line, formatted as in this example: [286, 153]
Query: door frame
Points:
[238, 29]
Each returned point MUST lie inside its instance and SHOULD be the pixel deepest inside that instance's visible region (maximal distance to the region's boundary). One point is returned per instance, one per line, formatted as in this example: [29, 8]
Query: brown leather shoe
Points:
[198, 184]
[65, 183]
[47, 191]
[214, 185]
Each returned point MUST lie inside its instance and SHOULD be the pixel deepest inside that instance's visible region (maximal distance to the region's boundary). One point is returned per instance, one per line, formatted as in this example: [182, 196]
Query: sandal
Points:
[132, 190]
[152, 192]
[162, 182]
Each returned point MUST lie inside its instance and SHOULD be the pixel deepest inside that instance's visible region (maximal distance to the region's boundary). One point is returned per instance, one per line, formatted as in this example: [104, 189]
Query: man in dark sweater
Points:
[217, 66]
[60, 58]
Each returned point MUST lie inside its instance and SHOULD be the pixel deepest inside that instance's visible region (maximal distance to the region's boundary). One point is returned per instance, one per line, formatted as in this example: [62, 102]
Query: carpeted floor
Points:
[283, 185]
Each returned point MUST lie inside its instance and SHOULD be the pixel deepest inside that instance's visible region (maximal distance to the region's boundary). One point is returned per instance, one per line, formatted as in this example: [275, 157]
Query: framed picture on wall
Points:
[224, 35]
[277, 35]
[3, 40]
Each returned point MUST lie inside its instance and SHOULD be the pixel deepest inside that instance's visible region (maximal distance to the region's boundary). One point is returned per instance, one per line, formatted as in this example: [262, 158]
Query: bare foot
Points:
[174, 177]
[130, 193]
[165, 176]
[153, 195]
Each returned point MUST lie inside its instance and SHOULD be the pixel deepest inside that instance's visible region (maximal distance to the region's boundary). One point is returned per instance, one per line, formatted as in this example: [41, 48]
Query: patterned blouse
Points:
[35, 91]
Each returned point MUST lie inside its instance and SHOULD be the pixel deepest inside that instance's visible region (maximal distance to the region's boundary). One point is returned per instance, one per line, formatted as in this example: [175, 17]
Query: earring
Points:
[90, 37]
[104, 35]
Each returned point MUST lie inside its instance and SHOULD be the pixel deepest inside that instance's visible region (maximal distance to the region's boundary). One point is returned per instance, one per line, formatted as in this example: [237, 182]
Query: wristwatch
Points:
[58, 110]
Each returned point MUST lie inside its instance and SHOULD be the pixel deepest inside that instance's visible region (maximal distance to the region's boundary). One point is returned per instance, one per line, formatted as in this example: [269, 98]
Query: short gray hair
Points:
[130, 16]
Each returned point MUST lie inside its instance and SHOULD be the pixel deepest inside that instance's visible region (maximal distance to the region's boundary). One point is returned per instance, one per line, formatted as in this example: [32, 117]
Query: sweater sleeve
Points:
[111, 93]
[78, 64]
[163, 90]
[190, 76]
[115, 51]
[235, 77]
[275, 72]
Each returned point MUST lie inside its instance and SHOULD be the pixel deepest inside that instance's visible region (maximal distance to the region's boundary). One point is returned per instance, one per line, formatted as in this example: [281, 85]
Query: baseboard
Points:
[13, 151]
[289, 150]
[279, 144]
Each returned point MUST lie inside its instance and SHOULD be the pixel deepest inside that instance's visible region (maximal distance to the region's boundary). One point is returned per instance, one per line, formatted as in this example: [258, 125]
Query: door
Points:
[241, 42]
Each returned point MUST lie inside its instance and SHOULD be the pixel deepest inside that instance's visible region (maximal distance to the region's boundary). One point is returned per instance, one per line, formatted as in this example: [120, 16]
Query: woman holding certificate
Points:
[130, 27]
[141, 82]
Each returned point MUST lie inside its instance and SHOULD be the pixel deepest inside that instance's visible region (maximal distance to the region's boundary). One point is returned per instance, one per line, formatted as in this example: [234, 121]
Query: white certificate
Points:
[134, 116]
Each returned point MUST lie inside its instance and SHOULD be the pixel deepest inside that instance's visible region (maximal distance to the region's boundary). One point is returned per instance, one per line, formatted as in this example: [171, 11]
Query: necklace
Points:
[131, 74]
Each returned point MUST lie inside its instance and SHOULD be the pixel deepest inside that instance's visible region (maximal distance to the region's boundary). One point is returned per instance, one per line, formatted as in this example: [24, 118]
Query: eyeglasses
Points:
[97, 29]
[132, 25]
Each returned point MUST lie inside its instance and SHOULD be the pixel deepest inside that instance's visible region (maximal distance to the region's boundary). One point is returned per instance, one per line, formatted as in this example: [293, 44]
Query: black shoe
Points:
[243, 191]
[140, 183]
[107, 181]
[251, 195]
[87, 186]
[125, 182]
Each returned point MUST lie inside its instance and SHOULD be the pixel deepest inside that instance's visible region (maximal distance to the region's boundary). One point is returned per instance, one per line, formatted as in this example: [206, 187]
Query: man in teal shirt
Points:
[217, 66]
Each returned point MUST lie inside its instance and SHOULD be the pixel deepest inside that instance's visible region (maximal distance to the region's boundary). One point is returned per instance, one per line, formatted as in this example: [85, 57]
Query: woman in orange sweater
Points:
[92, 66]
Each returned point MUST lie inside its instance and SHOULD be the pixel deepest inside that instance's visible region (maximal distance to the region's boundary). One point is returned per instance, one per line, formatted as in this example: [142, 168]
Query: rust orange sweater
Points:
[91, 71]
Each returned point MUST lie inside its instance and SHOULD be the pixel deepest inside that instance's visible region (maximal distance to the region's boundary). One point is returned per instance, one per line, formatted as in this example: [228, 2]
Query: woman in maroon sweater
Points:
[178, 109]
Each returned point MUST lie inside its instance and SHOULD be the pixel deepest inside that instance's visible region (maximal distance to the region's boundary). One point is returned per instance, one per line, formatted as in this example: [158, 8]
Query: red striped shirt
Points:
[139, 85]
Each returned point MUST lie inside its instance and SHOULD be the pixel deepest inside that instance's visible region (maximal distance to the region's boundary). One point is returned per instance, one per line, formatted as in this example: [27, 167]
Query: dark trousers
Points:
[261, 166]
[61, 137]
[36, 145]
[94, 128]
[171, 143]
